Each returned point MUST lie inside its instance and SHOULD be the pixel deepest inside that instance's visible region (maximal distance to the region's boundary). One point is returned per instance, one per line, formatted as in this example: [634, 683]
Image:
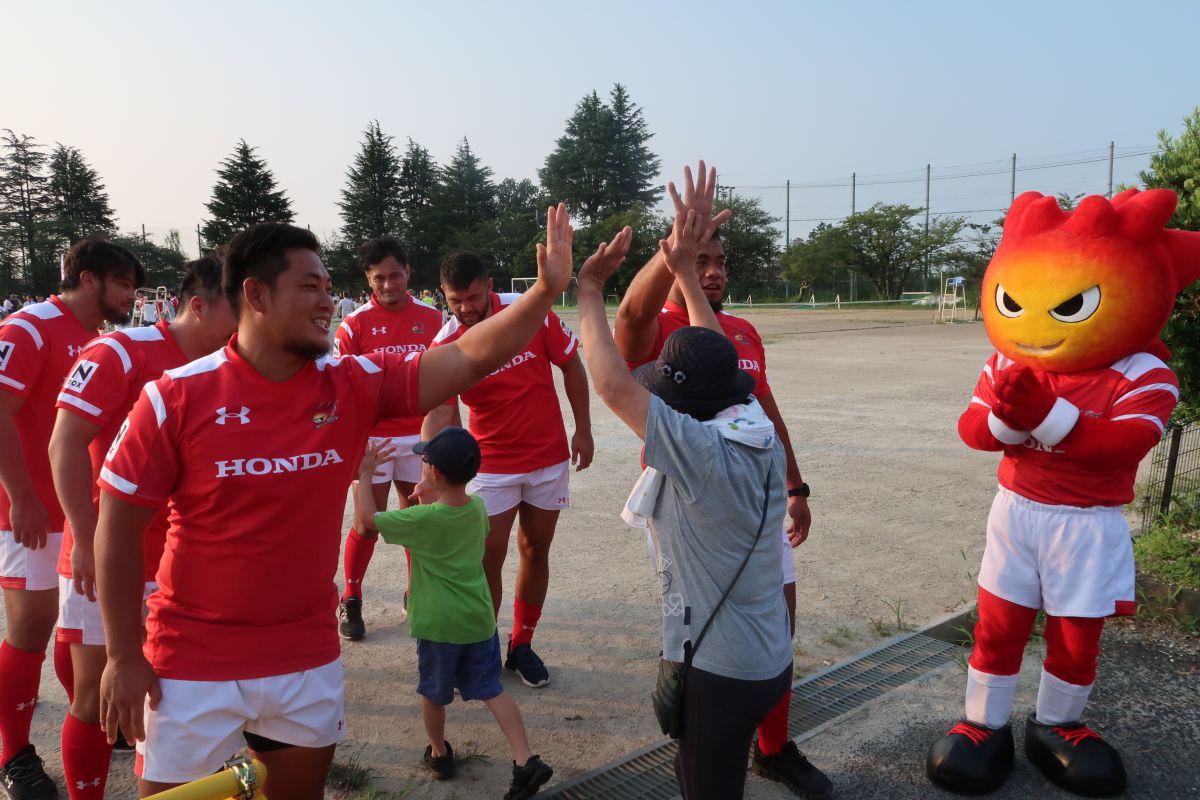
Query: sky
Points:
[155, 95]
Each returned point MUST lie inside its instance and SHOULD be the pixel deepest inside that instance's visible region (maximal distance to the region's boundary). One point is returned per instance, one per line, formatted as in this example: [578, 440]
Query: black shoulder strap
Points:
[761, 523]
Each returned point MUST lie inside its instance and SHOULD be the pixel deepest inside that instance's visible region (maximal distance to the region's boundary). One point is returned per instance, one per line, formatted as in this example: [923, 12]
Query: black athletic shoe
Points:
[1075, 757]
[25, 778]
[793, 770]
[971, 759]
[523, 661]
[529, 778]
[350, 612]
[121, 745]
[442, 767]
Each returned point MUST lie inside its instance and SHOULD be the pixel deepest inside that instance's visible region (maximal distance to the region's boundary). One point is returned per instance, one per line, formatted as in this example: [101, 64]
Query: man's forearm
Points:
[119, 573]
[13, 475]
[575, 383]
[700, 311]
[488, 344]
[637, 316]
[74, 480]
[441, 417]
[615, 386]
[771, 409]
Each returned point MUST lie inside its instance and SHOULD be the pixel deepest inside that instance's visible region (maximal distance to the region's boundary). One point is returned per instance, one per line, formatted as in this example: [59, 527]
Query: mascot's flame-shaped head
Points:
[1074, 290]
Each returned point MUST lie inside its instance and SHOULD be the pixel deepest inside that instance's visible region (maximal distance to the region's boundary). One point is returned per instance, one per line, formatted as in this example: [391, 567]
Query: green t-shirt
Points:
[448, 596]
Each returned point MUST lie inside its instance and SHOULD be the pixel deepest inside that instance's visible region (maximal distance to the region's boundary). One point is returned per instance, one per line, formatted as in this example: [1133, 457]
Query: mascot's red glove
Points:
[1023, 402]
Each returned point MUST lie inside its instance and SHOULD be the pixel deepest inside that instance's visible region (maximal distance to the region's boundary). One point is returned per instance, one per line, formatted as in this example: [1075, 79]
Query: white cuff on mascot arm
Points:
[1057, 424]
[1003, 433]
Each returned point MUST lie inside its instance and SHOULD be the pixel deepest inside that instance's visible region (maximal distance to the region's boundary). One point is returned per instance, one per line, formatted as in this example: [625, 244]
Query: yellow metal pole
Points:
[222, 786]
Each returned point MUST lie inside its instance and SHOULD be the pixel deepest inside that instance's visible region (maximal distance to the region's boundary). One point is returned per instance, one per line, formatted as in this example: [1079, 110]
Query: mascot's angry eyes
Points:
[1076, 308]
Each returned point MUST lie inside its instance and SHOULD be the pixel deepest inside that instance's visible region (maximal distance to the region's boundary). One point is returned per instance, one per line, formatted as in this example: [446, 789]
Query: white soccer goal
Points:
[520, 285]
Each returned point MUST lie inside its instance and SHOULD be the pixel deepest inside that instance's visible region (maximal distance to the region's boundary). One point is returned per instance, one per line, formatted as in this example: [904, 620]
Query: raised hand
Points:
[376, 453]
[698, 197]
[1022, 401]
[554, 258]
[603, 264]
[682, 247]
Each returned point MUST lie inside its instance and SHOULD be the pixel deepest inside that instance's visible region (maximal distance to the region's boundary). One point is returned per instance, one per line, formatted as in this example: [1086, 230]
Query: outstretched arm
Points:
[637, 316]
[449, 370]
[689, 236]
[627, 398]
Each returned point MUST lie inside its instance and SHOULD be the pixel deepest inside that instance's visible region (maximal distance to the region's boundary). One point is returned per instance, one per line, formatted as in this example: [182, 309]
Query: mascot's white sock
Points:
[1059, 701]
[989, 698]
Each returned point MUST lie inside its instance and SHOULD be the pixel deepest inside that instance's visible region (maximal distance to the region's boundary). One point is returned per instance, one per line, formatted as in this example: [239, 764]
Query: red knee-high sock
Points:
[86, 754]
[525, 620]
[355, 560]
[772, 732]
[63, 667]
[20, 675]
[1072, 647]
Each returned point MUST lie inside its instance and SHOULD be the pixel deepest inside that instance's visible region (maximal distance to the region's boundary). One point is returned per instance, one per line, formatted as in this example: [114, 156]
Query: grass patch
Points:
[1170, 551]
[348, 776]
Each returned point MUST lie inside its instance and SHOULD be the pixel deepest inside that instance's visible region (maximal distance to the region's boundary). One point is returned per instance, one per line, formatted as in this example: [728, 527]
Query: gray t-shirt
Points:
[704, 522]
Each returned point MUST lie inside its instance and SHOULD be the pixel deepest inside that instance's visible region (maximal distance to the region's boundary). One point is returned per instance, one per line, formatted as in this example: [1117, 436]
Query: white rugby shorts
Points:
[1072, 562]
[546, 488]
[79, 618]
[198, 725]
[404, 465]
[22, 568]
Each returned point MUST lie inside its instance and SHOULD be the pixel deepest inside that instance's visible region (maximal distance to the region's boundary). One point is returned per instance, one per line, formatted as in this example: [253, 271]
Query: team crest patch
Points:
[324, 414]
[741, 338]
[419, 327]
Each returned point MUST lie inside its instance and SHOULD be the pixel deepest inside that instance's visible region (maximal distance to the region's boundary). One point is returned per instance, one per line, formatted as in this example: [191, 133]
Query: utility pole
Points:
[1110, 168]
[926, 225]
[787, 237]
[199, 242]
[1012, 191]
[144, 224]
[853, 192]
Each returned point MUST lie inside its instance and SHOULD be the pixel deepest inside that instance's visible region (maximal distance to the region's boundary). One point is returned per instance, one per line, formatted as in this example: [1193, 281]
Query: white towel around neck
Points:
[745, 423]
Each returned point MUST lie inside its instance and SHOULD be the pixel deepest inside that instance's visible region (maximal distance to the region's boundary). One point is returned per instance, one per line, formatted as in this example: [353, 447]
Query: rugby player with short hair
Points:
[256, 445]
[95, 399]
[391, 322]
[38, 346]
[651, 310]
[515, 416]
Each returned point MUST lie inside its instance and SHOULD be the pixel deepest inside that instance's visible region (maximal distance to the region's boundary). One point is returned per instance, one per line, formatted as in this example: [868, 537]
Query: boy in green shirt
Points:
[449, 603]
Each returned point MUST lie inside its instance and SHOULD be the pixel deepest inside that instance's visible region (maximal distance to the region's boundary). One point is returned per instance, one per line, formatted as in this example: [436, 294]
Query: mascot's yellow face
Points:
[1069, 291]
[1059, 310]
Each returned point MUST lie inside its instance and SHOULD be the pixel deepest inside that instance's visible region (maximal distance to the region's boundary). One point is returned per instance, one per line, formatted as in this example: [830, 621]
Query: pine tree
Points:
[418, 181]
[464, 201]
[78, 202]
[244, 195]
[371, 199]
[633, 166]
[601, 165]
[25, 216]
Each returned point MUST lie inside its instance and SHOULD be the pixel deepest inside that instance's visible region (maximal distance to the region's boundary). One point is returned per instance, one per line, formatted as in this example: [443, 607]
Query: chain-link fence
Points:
[1174, 480]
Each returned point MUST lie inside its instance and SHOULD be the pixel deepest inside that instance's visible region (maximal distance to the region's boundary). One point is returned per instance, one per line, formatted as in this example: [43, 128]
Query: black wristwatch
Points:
[799, 491]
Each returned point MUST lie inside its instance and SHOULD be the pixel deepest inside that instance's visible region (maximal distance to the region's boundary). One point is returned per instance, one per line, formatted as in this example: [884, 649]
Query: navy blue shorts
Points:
[473, 668]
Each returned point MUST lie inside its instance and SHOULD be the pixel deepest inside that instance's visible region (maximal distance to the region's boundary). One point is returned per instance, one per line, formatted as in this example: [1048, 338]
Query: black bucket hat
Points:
[697, 373]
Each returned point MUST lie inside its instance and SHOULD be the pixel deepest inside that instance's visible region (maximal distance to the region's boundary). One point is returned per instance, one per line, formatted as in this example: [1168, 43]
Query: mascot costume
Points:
[1076, 394]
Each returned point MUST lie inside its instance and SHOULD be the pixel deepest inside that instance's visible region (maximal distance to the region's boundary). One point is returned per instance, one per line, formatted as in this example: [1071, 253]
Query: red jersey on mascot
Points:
[1075, 396]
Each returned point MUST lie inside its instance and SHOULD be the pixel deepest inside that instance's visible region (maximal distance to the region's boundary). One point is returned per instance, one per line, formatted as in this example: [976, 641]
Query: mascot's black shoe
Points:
[1075, 757]
[971, 759]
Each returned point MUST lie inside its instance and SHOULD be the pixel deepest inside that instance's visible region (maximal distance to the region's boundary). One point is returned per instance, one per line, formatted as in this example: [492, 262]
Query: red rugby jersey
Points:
[257, 472]
[375, 329]
[752, 357]
[102, 387]
[514, 412]
[38, 346]
[1137, 390]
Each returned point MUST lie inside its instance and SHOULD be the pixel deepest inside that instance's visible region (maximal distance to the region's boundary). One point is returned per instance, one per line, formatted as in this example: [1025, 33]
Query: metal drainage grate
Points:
[649, 774]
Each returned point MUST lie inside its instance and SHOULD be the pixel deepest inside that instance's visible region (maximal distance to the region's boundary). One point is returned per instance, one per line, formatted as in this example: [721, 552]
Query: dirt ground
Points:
[871, 399]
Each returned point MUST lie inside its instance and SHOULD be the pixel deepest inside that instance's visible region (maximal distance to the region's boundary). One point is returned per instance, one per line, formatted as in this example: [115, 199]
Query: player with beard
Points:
[390, 322]
[97, 396]
[256, 445]
[38, 346]
[651, 310]
[515, 417]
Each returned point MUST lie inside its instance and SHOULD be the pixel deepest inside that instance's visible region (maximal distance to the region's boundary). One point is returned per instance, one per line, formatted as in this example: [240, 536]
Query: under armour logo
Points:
[30, 704]
[340, 724]
[243, 416]
[81, 785]
[74, 350]
[379, 330]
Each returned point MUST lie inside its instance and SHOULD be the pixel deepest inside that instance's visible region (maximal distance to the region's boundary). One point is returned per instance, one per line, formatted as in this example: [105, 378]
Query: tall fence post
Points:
[1169, 478]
